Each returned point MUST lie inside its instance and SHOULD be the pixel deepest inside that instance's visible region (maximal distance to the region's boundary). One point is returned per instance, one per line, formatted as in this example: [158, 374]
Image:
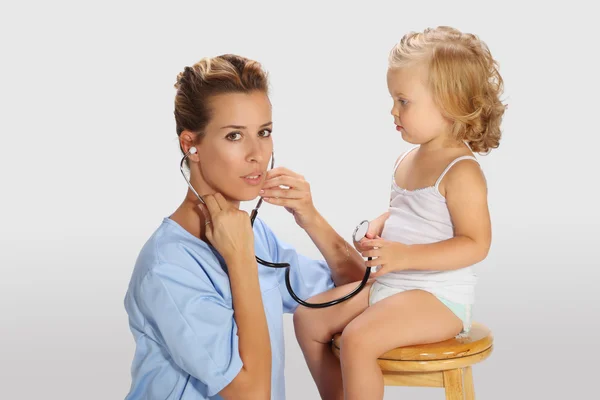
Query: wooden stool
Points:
[445, 364]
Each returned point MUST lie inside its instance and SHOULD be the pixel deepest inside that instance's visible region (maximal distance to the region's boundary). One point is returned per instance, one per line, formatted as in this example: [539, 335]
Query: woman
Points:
[206, 318]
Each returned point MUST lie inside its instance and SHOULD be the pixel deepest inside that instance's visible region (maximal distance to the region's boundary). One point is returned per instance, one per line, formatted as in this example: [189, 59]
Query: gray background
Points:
[89, 164]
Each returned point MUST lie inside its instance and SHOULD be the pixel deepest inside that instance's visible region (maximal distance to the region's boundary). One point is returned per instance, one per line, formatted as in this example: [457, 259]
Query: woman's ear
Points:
[186, 141]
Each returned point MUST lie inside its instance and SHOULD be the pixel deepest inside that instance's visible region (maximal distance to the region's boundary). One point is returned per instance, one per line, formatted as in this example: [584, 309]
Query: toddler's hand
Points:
[390, 256]
[374, 232]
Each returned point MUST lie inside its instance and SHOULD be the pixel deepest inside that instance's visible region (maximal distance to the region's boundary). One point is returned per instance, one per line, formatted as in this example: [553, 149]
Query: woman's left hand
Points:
[390, 256]
[297, 199]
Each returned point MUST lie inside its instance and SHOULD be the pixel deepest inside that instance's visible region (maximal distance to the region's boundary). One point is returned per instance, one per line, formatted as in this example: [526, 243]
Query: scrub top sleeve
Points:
[308, 277]
[194, 323]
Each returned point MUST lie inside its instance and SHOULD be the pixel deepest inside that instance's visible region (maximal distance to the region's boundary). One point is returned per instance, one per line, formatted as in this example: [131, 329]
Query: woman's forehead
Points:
[240, 109]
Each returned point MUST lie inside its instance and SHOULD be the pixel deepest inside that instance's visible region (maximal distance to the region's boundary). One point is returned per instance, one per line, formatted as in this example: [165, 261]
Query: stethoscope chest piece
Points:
[360, 231]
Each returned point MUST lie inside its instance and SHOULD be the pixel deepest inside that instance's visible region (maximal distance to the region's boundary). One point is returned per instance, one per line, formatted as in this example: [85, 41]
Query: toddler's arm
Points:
[466, 197]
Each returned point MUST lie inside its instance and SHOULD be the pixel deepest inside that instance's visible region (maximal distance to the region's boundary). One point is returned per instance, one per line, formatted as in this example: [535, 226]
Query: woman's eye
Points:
[234, 136]
[265, 133]
[402, 101]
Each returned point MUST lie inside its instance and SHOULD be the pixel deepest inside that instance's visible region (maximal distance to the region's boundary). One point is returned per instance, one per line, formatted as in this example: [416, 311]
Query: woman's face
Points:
[234, 154]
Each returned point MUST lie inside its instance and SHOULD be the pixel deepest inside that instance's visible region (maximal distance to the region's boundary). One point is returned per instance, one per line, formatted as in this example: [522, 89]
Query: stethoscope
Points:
[359, 233]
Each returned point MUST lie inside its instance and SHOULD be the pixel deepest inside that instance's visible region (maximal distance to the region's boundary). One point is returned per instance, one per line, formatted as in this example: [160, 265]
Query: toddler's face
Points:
[415, 113]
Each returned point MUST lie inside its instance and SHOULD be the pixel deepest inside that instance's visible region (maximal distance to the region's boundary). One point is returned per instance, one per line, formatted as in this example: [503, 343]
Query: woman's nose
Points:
[255, 151]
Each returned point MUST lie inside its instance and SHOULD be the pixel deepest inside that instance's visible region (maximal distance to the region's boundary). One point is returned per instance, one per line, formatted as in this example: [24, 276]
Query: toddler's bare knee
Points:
[351, 339]
[298, 319]
[309, 325]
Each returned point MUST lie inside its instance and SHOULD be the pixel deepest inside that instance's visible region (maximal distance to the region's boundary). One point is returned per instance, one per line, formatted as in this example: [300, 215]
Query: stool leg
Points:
[468, 382]
[453, 384]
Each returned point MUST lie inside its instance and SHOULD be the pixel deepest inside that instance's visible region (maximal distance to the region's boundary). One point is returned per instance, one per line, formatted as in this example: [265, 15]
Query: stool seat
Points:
[478, 340]
[444, 364]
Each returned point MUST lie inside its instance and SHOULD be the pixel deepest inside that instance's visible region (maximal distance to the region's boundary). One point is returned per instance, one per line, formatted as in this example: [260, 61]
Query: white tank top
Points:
[421, 216]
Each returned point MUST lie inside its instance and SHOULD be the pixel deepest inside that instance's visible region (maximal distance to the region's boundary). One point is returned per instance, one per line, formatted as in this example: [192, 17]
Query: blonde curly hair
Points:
[464, 80]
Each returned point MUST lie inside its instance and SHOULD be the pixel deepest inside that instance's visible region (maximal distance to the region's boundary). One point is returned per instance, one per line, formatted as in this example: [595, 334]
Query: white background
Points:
[89, 167]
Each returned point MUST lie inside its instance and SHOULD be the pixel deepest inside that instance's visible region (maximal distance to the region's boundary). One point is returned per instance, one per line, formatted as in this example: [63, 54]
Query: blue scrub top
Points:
[181, 316]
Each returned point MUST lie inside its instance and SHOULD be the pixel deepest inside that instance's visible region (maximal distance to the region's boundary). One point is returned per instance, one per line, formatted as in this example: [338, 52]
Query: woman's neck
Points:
[190, 216]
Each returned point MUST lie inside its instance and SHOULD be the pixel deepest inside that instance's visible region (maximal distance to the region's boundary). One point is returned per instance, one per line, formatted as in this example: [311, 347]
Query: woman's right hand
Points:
[230, 232]
[229, 229]
[374, 232]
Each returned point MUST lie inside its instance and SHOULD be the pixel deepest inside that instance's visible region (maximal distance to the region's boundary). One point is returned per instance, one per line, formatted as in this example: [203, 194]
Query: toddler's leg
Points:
[315, 327]
[404, 319]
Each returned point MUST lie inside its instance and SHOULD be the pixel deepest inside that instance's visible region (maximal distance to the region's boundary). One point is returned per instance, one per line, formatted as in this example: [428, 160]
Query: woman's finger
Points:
[222, 202]
[281, 202]
[282, 193]
[204, 211]
[278, 171]
[211, 204]
[208, 232]
[285, 180]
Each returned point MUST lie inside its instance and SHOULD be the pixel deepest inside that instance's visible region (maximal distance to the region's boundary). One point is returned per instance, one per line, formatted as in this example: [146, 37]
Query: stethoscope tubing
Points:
[288, 284]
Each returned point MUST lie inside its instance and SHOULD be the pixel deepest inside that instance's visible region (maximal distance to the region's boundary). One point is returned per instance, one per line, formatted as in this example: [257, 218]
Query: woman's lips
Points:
[253, 179]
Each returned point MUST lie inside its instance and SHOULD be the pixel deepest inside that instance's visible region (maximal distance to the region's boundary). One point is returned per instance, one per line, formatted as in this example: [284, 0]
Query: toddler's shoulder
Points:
[465, 173]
